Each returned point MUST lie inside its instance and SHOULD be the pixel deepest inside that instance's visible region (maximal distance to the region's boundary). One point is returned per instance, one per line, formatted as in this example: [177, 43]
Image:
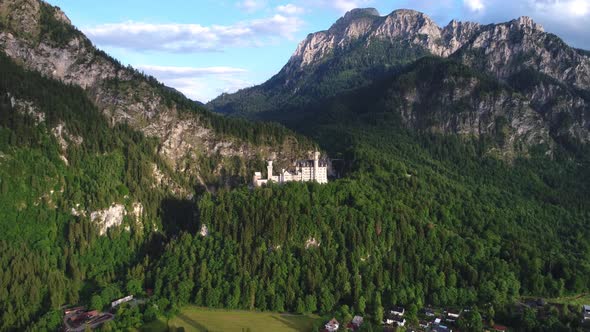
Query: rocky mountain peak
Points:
[518, 52]
[359, 13]
[27, 18]
[528, 23]
[61, 16]
[355, 23]
[458, 26]
[366, 23]
[405, 23]
[411, 21]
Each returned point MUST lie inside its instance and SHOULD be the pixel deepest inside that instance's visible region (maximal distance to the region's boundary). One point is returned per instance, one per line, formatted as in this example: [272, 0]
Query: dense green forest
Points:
[50, 257]
[418, 221]
[59, 160]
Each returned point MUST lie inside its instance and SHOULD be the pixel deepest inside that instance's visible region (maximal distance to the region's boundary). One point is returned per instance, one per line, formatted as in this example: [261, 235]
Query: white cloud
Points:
[341, 6]
[575, 8]
[178, 72]
[251, 6]
[199, 83]
[474, 5]
[186, 38]
[569, 19]
[346, 5]
[290, 9]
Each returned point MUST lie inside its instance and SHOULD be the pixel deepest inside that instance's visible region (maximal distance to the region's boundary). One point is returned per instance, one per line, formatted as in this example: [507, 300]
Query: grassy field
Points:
[193, 318]
[577, 300]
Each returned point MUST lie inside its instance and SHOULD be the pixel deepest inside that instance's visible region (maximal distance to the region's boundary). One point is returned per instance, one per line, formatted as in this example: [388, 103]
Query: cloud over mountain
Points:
[174, 37]
[568, 19]
[290, 9]
[189, 80]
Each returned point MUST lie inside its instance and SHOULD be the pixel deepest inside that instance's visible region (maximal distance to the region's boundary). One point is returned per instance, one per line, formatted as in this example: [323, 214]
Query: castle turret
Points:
[269, 170]
[316, 165]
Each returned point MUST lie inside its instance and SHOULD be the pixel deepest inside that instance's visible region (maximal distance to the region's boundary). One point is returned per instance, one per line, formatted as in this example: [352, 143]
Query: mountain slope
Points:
[433, 95]
[362, 47]
[78, 197]
[41, 38]
[99, 165]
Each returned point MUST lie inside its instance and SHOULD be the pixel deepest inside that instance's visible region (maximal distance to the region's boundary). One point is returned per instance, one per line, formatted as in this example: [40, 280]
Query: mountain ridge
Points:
[362, 47]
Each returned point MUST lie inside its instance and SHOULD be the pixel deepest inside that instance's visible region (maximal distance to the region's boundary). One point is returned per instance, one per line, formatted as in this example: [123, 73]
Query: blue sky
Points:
[206, 47]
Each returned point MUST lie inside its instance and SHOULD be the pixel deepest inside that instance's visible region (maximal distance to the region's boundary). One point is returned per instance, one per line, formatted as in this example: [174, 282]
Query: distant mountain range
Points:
[512, 79]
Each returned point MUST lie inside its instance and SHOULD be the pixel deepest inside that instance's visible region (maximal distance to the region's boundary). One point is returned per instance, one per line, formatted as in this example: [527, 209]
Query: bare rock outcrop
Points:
[107, 218]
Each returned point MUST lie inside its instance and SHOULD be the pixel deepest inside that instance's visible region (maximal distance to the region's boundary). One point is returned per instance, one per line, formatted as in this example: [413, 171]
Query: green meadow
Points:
[192, 319]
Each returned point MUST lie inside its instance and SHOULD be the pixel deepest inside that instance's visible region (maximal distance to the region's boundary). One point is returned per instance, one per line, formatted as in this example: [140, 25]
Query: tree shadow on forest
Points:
[192, 322]
[290, 321]
[178, 215]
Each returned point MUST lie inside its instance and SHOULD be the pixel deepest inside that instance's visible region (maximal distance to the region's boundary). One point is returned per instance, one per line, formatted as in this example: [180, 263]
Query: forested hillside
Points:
[62, 167]
[420, 219]
[87, 199]
[190, 138]
[51, 257]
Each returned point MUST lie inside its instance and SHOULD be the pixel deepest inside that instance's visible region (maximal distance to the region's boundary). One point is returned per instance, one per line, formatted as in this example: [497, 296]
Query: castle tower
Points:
[316, 165]
[269, 170]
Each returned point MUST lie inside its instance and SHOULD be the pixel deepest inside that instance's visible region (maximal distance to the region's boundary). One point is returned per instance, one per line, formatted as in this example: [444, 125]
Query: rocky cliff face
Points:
[368, 26]
[41, 38]
[468, 104]
[506, 46]
[355, 24]
[551, 78]
[504, 49]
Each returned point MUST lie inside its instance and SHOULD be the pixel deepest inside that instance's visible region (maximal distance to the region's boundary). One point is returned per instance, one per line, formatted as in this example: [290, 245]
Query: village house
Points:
[303, 171]
[424, 324]
[392, 319]
[500, 328]
[440, 328]
[399, 311]
[332, 325]
[452, 314]
[357, 321]
[429, 312]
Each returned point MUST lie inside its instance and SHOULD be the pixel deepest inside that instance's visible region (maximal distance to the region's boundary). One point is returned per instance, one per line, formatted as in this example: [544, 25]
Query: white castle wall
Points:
[304, 171]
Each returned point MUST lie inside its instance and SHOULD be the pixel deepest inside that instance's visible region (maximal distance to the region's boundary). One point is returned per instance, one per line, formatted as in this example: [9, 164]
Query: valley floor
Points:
[193, 318]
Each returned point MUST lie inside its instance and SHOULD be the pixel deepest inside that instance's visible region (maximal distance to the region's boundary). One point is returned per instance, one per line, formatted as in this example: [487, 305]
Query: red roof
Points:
[92, 313]
[500, 327]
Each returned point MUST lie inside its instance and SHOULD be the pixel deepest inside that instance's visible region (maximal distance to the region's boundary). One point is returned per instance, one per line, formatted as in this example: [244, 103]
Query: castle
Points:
[305, 170]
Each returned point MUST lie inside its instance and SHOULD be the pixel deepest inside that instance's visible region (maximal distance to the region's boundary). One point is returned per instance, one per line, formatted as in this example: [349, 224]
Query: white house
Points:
[453, 314]
[395, 319]
[399, 311]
